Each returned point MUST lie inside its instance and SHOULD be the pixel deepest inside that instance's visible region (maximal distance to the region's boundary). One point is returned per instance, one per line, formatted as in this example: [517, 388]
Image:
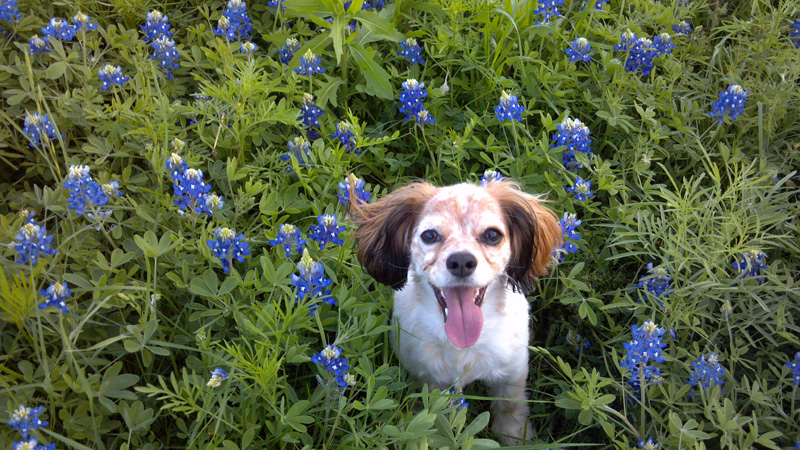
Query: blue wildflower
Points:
[730, 103]
[508, 108]
[579, 50]
[648, 444]
[598, 4]
[641, 56]
[795, 34]
[573, 135]
[248, 48]
[311, 282]
[683, 28]
[627, 39]
[326, 231]
[411, 98]
[309, 64]
[576, 341]
[357, 186]
[286, 53]
[110, 76]
[795, 366]
[235, 23]
[276, 4]
[301, 150]
[331, 358]
[657, 284]
[25, 419]
[85, 192]
[166, 54]
[39, 46]
[32, 240]
[456, 401]
[663, 44]
[157, 24]
[60, 29]
[646, 347]
[410, 50]
[309, 114]
[423, 117]
[39, 129]
[549, 9]
[176, 165]
[490, 176]
[191, 193]
[32, 444]
[707, 370]
[83, 23]
[9, 11]
[228, 246]
[568, 224]
[346, 137]
[225, 29]
[217, 377]
[751, 265]
[289, 236]
[54, 296]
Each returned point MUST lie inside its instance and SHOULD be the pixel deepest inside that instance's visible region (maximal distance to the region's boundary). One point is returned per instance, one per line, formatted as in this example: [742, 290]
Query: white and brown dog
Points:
[460, 259]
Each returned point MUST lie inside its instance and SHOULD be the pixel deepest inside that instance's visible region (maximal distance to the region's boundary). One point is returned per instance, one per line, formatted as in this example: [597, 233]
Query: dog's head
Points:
[457, 240]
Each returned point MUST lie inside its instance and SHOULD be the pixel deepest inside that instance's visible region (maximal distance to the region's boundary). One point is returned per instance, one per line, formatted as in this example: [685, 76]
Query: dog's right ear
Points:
[384, 231]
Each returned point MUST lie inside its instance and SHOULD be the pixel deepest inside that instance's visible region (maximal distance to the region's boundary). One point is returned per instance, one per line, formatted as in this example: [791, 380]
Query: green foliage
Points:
[152, 312]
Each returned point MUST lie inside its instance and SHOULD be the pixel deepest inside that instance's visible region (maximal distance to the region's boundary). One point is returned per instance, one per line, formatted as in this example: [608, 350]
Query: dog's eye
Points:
[492, 236]
[429, 236]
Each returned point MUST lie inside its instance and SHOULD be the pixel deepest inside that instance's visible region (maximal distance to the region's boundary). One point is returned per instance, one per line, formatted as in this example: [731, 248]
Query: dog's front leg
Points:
[511, 414]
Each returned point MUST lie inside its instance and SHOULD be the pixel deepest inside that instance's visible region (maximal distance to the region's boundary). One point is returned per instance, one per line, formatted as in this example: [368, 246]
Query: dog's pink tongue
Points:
[464, 320]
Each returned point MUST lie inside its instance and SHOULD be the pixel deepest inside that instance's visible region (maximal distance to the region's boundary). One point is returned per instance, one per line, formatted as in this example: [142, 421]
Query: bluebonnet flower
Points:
[663, 43]
[657, 284]
[795, 34]
[309, 114]
[508, 108]
[235, 23]
[549, 9]
[648, 444]
[683, 28]
[25, 419]
[276, 4]
[490, 176]
[217, 377]
[457, 401]
[410, 50]
[311, 282]
[190, 190]
[751, 265]
[166, 54]
[574, 135]
[627, 39]
[60, 29]
[32, 444]
[9, 11]
[83, 23]
[331, 358]
[357, 185]
[707, 370]
[39, 46]
[84, 191]
[641, 56]
[309, 64]
[411, 98]
[568, 224]
[228, 246]
[157, 25]
[176, 164]
[225, 29]
[110, 76]
[39, 129]
[576, 341]
[289, 236]
[645, 348]
[423, 117]
[730, 103]
[32, 240]
[326, 231]
[301, 150]
[286, 53]
[598, 4]
[579, 50]
[54, 296]
[346, 137]
[795, 366]
[248, 48]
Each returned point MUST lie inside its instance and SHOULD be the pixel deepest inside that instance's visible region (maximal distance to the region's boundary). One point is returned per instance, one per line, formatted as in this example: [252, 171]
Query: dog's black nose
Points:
[461, 264]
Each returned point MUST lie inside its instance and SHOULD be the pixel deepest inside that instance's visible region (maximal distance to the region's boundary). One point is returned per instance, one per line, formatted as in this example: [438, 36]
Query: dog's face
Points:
[456, 241]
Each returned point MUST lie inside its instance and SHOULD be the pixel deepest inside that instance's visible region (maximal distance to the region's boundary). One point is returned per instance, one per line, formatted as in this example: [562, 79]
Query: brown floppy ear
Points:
[534, 233]
[384, 232]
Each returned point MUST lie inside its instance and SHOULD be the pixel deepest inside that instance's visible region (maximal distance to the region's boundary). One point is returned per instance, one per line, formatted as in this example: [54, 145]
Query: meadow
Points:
[178, 265]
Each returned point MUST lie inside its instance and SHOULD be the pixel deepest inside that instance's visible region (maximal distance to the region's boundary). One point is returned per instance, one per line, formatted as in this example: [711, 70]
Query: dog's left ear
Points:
[534, 233]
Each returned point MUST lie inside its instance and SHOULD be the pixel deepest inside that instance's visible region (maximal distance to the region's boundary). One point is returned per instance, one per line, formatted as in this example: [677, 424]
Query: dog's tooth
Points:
[445, 312]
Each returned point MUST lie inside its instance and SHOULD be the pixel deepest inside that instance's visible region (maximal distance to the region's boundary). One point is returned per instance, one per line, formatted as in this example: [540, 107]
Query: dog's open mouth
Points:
[461, 308]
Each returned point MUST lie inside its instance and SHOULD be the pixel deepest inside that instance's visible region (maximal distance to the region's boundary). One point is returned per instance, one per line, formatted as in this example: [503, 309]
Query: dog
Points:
[461, 259]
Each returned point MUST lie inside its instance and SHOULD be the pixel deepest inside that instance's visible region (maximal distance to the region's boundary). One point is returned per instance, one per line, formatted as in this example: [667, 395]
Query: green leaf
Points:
[478, 424]
[379, 26]
[377, 78]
